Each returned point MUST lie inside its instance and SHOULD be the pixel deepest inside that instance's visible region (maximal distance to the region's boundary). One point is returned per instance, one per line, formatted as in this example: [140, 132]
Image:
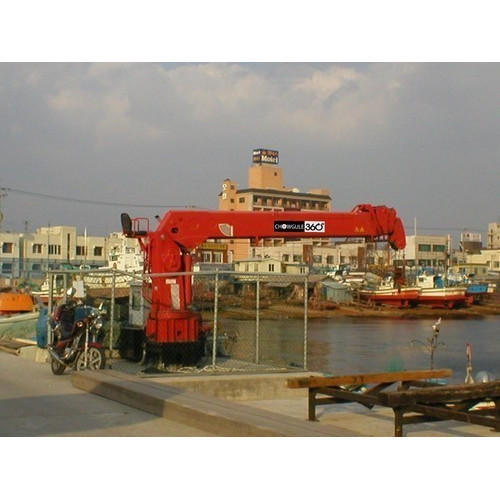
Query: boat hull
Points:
[403, 297]
[15, 303]
[446, 298]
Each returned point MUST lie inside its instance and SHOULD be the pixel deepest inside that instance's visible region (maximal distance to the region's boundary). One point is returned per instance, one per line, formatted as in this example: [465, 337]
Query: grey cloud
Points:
[407, 135]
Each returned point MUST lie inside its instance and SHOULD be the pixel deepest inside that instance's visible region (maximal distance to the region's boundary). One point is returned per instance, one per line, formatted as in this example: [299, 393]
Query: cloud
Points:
[395, 133]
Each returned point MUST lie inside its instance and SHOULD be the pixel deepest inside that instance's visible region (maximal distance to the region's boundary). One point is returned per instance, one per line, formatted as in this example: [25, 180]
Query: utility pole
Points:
[3, 194]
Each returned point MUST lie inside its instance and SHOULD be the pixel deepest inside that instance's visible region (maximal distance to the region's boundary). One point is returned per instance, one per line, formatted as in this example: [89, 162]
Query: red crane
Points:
[168, 249]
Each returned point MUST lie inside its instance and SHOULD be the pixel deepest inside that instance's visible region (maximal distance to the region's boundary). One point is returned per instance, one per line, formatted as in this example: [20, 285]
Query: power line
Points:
[137, 205]
[92, 202]
[462, 229]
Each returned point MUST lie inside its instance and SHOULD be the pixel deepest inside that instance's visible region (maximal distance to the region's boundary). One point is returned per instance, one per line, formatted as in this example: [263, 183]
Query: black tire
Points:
[57, 368]
[96, 359]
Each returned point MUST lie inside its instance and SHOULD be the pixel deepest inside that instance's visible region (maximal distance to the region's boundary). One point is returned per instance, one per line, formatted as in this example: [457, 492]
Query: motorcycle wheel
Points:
[96, 359]
[57, 368]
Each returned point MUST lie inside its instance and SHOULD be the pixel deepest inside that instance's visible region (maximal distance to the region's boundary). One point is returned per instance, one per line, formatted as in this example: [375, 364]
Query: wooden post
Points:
[312, 404]
[398, 422]
[497, 414]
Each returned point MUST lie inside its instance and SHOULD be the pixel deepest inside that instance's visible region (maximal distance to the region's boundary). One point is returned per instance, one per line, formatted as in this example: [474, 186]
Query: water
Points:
[352, 345]
[357, 346]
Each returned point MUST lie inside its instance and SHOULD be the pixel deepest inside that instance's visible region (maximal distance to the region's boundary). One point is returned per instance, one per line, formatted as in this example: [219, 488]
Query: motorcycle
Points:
[77, 338]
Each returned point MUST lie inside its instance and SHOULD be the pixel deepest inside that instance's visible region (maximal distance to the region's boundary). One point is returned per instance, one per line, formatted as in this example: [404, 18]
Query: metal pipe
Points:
[50, 333]
[257, 320]
[65, 286]
[305, 320]
[216, 304]
[56, 356]
[112, 313]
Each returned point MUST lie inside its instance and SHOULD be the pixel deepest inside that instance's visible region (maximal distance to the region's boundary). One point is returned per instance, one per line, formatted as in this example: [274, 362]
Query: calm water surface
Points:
[352, 345]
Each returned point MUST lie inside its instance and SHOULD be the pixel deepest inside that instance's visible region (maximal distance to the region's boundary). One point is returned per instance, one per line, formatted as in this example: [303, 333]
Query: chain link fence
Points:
[250, 321]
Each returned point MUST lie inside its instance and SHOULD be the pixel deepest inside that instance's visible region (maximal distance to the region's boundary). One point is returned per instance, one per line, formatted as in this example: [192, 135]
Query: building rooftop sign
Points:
[266, 156]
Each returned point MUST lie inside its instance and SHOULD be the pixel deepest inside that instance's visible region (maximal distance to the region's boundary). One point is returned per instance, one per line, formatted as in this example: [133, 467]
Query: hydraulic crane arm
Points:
[189, 229]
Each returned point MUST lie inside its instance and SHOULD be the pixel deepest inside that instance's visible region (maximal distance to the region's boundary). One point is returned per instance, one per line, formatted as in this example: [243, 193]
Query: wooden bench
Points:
[417, 394]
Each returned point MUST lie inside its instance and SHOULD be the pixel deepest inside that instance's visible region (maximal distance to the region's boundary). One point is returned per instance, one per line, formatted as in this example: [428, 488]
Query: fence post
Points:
[50, 335]
[257, 320]
[65, 285]
[305, 320]
[216, 304]
[112, 313]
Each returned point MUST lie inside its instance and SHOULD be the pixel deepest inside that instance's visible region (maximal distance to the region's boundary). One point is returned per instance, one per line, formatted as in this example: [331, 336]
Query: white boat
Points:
[440, 296]
[126, 259]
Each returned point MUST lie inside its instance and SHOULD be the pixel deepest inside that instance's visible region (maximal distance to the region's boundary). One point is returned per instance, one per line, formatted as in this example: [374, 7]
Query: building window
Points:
[206, 256]
[36, 248]
[36, 267]
[7, 247]
[286, 257]
[296, 258]
[329, 259]
[317, 259]
[54, 249]
[218, 257]
[6, 267]
[80, 250]
[242, 200]
[424, 247]
[97, 251]
[271, 268]
[232, 200]
[438, 248]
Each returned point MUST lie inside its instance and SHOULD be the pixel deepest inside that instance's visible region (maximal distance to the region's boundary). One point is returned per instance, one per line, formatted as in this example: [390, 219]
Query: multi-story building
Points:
[324, 258]
[211, 252]
[266, 192]
[490, 258]
[10, 251]
[471, 243]
[30, 255]
[494, 235]
[425, 251]
[269, 265]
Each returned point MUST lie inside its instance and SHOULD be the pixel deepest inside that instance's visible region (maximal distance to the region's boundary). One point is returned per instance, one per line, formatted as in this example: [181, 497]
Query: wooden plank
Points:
[443, 394]
[366, 378]
[444, 413]
[419, 419]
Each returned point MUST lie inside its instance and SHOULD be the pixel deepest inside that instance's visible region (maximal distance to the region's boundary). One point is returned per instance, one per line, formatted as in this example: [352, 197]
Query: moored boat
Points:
[434, 293]
[13, 302]
[398, 297]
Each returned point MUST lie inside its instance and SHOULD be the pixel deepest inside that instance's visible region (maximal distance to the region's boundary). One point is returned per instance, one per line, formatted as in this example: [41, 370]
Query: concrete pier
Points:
[208, 413]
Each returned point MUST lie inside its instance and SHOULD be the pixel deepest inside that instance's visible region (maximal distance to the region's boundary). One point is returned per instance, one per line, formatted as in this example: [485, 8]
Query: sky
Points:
[420, 137]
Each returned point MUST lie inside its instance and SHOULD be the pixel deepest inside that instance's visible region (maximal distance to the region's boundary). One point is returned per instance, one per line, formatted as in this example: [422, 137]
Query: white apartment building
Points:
[30, 255]
[425, 251]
